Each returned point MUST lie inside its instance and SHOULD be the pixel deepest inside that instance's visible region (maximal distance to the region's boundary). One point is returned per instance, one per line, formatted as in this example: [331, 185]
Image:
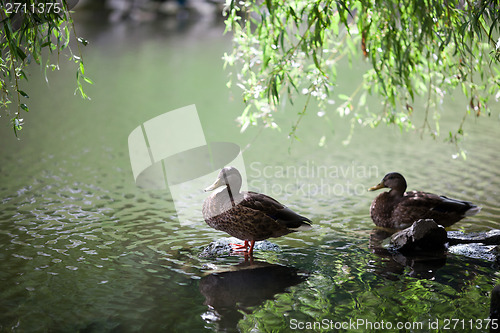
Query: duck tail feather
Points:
[303, 227]
[472, 211]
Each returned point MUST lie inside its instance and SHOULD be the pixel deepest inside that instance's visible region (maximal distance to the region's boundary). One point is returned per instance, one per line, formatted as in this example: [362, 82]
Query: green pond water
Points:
[83, 249]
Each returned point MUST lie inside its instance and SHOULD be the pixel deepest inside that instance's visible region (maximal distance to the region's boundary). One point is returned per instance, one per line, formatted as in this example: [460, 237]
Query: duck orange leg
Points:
[244, 247]
[240, 247]
[252, 243]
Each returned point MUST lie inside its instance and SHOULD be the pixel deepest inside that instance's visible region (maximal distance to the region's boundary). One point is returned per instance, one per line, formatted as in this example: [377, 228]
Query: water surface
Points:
[83, 249]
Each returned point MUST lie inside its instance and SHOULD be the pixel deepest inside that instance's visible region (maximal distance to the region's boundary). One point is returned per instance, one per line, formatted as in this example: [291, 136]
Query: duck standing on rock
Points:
[398, 209]
[249, 216]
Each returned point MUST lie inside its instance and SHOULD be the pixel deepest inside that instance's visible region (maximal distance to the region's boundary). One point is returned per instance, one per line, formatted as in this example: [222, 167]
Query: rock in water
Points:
[491, 237]
[422, 235]
[475, 251]
[222, 247]
[477, 245]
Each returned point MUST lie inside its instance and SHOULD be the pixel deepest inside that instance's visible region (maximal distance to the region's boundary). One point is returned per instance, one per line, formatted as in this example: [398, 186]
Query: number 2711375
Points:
[34, 8]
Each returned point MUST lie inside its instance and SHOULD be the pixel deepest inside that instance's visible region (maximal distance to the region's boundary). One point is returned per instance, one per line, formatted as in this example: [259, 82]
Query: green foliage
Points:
[413, 48]
[28, 28]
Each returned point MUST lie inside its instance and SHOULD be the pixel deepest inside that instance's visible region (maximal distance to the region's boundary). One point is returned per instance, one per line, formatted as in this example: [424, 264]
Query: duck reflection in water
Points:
[244, 286]
[393, 263]
[437, 265]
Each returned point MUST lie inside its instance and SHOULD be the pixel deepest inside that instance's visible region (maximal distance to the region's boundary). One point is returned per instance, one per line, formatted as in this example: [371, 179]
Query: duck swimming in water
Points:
[398, 209]
[249, 216]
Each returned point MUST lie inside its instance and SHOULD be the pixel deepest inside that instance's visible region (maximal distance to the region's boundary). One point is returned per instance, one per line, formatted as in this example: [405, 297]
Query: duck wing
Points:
[449, 205]
[436, 203]
[419, 199]
[446, 211]
[275, 210]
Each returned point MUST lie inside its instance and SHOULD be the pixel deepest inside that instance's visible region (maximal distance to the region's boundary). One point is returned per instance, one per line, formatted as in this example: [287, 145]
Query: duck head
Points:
[230, 177]
[395, 181]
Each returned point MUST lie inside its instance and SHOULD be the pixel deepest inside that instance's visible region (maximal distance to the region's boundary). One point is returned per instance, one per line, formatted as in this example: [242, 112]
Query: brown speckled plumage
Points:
[249, 216]
[399, 209]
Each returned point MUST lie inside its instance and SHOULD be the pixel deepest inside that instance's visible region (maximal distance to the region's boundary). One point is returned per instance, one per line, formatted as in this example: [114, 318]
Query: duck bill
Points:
[218, 183]
[377, 187]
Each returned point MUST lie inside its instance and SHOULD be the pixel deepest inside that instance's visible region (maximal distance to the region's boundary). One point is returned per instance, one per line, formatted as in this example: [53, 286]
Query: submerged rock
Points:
[223, 246]
[423, 235]
[475, 251]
